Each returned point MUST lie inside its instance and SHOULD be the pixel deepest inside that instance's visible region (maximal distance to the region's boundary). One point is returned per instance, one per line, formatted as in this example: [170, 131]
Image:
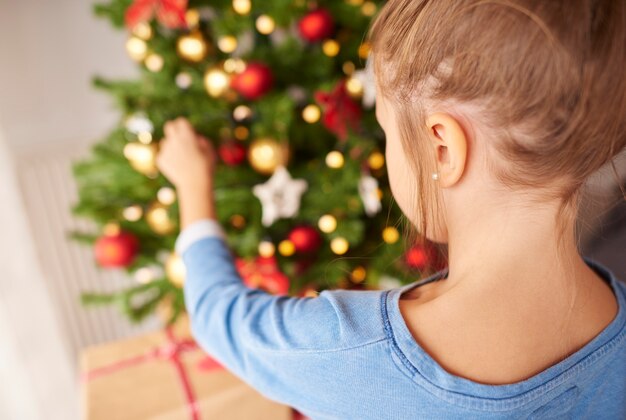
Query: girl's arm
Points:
[277, 344]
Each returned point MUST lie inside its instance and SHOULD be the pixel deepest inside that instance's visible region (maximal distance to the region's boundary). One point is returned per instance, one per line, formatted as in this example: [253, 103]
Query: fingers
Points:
[179, 127]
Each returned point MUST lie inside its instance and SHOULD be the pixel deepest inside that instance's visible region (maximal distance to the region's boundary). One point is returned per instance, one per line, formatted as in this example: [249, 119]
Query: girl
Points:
[495, 114]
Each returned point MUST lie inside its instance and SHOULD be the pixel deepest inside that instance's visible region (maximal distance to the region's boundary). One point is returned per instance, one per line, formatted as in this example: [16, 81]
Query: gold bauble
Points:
[241, 132]
[192, 16]
[234, 65]
[391, 235]
[364, 50]
[369, 8]
[175, 269]
[142, 157]
[359, 274]
[159, 220]
[192, 47]
[286, 248]
[238, 221]
[266, 154]
[348, 68]
[376, 160]
[311, 293]
[111, 229]
[331, 47]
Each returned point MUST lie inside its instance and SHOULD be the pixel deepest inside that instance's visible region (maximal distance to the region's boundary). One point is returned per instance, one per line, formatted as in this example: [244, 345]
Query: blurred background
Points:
[49, 116]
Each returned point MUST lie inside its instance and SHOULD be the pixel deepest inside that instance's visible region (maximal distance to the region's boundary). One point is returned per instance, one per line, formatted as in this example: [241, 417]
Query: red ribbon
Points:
[171, 351]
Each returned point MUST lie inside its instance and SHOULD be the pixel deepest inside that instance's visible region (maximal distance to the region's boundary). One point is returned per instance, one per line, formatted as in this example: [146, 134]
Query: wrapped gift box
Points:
[165, 376]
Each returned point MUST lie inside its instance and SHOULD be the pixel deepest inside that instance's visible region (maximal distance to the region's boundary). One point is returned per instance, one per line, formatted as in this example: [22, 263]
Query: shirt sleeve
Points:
[253, 333]
[197, 230]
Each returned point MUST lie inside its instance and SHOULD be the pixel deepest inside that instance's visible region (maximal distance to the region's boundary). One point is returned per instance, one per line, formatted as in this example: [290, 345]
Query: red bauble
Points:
[424, 256]
[118, 250]
[263, 273]
[255, 81]
[305, 238]
[340, 110]
[316, 25]
[416, 257]
[170, 13]
[232, 153]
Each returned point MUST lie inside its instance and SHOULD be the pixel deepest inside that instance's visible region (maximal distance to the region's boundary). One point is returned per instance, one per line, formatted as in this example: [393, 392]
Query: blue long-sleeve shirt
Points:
[349, 354]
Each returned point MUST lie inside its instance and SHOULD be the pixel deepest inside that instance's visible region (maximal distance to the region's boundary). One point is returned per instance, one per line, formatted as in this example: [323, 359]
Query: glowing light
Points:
[166, 196]
[183, 80]
[192, 47]
[227, 44]
[327, 223]
[359, 274]
[311, 114]
[242, 7]
[216, 82]
[339, 245]
[143, 30]
[242, 112]
[136, 48]
[354, 86]
[175, 269]
[154, 63]
[234, 65]
[133, 213]
[334, 159]
[111, 229]
[144, 275]
[192, 16]
[369, 8]
[265, 24]
[266, 249]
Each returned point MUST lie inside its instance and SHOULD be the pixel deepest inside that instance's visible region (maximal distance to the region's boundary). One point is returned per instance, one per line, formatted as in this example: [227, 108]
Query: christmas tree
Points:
[280, 88]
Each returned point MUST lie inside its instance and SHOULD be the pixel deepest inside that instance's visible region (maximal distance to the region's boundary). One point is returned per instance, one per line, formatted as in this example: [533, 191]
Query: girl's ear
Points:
[450, 143]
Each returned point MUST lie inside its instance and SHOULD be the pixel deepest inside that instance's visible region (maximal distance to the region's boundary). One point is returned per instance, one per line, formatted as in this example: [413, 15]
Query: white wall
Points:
[36, 375]
[49, 50]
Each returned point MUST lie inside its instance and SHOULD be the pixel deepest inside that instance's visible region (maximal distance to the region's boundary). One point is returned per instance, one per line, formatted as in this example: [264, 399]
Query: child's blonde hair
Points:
[542, 80]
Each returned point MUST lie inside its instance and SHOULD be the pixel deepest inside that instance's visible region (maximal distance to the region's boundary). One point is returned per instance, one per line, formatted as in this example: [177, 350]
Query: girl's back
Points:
[507, 342]
[351, 354]
[495, 114]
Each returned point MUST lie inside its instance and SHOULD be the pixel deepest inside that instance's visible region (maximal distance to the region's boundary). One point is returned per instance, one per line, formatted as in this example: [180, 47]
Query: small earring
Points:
[435, 176]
